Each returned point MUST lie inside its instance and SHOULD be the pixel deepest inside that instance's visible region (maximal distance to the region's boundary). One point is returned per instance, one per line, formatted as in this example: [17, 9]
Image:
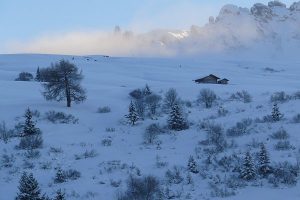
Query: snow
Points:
[108, 82]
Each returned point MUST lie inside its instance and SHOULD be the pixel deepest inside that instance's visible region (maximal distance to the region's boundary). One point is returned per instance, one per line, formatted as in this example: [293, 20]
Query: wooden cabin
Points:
[223, 81]
[208, 79]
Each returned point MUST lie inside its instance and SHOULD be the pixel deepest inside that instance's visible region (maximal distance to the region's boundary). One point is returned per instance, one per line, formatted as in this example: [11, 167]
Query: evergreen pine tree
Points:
[132, 115]
[29, 128]
[276, 115]
[38, 75]
[248, 170]
[60, 195]
[264, 161]
[176, 120]
[60, 176]
[192, 165]
[28, 188]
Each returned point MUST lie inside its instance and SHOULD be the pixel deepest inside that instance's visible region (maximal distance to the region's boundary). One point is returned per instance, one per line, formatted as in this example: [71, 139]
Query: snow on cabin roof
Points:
[211, 75]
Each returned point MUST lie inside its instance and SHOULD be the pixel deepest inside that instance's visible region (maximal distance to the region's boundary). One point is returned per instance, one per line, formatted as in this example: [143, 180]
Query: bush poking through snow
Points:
[296, 119]
[7, 161]
[60, 117]
[63, 176]
[174, 176]
[284, 173]
[207, 97]
[279, 97]
[104, 109]
[242, 96]
[146, 188]
[281, 134]
[5, 134]
[170, 99]
[283, 145]
[241, 128]
[24, 76]
[216, 137]
[151, 133]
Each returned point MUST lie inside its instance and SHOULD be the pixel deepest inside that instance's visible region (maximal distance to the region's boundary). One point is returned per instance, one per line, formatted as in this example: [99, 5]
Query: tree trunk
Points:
[68, 94]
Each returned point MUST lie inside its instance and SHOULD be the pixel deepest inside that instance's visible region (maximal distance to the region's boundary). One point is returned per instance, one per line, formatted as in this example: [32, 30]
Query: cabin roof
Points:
[211, 75]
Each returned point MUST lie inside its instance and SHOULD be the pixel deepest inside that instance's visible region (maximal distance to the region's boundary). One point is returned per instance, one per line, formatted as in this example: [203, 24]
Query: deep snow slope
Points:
[108, 80]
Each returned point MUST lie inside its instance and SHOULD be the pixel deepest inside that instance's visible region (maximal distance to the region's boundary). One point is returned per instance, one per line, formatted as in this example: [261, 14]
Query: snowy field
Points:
[108, 82]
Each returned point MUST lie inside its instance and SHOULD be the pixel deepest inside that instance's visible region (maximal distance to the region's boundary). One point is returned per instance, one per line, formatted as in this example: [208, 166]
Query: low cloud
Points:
[99, 42]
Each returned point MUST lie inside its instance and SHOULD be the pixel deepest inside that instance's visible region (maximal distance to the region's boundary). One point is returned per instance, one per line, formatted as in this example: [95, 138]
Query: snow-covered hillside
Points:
[106, 150]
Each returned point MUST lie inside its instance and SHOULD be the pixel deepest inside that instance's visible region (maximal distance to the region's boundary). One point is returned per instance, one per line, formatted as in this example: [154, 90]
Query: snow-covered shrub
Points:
[296, 95]
[63, 176]
[136, 94]
[174, 175]
[140, 107]
[283, 145]
[281, 134]
[110, 130]
[28, 164]
[160, 163]
[216, 137]
[220, 190]
[72, 174]
[296, 119]
[55, 150]
[207, 97]
[87, 154]
[24, 76]
[284, 173]
[32, 154]
[104, 109]
[60, 176]
[188, 104]
[170, 99]
[46, 165]
[152, 102]
[31, 142]
[222, 112]
[228, 163]
[115, 183]
[242, 96]
[5, 134]
[60, 117]
[233, 181]
[145, 188]
[279, 97]
[151, 133]
[106, 142]
[7, 160]
[241, 128]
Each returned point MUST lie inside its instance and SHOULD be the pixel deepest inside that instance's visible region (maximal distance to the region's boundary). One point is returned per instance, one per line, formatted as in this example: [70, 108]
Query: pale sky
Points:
[23, 21]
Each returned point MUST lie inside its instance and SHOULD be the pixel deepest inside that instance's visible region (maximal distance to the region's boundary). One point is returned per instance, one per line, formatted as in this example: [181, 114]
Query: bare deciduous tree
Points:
[64, 83]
